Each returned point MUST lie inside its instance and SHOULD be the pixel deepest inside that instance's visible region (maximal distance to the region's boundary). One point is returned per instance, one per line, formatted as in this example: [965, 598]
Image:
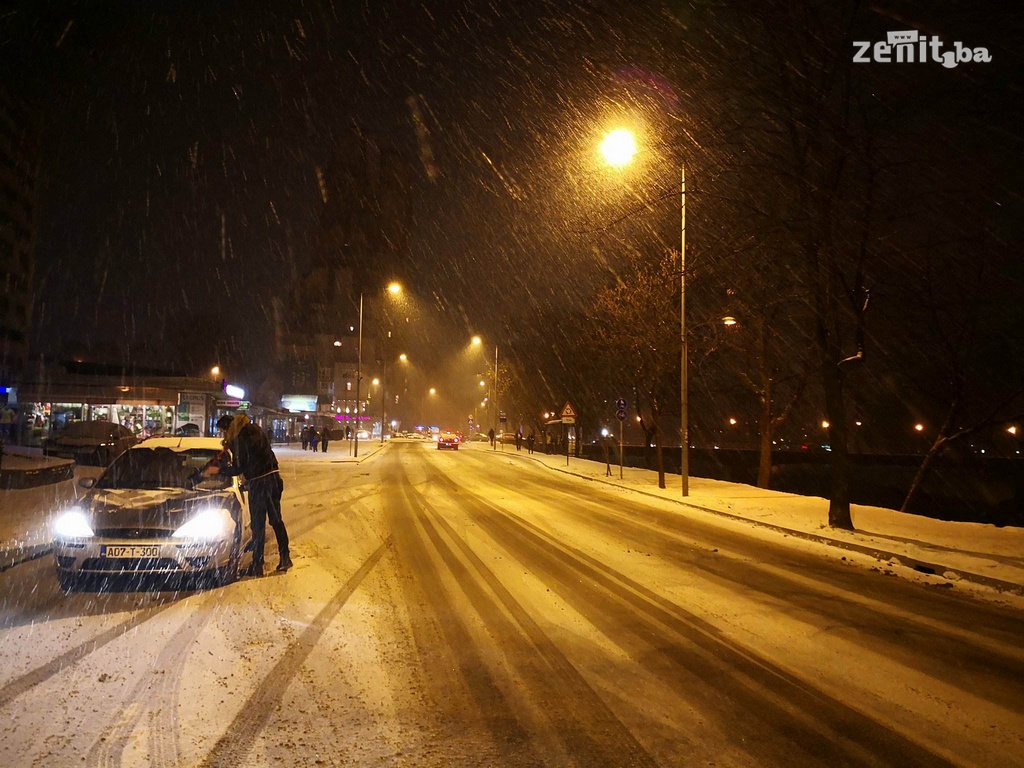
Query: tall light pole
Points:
[619, 147]
[359, 373]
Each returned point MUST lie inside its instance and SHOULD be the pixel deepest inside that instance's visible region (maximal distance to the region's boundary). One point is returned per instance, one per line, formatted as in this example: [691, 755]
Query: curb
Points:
[922, 566]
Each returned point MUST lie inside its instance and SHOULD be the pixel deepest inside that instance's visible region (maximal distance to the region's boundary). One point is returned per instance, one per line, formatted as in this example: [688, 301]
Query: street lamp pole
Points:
[497, 410]
[359, 373]
[383, 388]
[684, 464]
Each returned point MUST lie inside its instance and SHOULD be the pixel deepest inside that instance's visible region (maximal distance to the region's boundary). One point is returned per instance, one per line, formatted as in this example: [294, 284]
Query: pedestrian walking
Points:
[305, 437]
[490, 436]
[519, 440]
[324, 438]
[530, 440]
[252, 457]
[314, 438]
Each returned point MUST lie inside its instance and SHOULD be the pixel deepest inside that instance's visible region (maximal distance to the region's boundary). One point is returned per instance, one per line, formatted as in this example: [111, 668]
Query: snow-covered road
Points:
[469, 608]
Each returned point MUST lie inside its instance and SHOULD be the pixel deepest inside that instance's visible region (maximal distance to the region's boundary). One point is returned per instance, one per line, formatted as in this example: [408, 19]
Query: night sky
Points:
[182, 147]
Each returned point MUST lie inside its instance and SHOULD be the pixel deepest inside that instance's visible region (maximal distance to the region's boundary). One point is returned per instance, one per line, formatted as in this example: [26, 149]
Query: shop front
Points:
[156, 406]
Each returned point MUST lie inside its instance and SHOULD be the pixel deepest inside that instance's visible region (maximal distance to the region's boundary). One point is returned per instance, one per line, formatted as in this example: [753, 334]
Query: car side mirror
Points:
[87, 482]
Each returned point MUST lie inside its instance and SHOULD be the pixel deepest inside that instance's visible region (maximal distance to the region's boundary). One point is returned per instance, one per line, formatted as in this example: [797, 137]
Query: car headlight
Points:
[73, 524]
[208, 525]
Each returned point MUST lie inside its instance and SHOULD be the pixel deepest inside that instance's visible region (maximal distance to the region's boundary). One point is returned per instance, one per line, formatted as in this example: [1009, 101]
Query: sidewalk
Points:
[339, 452]
[981, 554]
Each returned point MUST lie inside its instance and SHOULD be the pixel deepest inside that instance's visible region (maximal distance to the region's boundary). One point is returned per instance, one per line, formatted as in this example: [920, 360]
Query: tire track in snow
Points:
[29, 680]
[425, 590]
[159, 702]
[588, 729]
[792, 711]
[233, 746]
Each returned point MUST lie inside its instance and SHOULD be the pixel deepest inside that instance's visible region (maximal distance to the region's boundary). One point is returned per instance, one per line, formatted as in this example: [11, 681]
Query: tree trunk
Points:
[659, 456]
[923, 471]
[764, 467]
[839, 501]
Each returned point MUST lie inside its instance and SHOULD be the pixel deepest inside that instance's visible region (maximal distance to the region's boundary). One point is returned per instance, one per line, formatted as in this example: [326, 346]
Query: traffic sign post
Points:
[620, 414]
[568, 417]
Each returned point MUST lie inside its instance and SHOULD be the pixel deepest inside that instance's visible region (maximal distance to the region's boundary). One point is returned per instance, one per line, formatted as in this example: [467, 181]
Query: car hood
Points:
[76, 442]
[161, 508]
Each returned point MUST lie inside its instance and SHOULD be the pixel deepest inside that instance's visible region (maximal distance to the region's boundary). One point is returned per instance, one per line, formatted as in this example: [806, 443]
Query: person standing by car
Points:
[253, 457]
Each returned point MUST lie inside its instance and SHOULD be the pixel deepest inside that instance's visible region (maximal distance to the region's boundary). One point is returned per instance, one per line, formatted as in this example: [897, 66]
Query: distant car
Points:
[188, 430]
[91, 442]
[153, 513]
[479, 437]
[447, 440]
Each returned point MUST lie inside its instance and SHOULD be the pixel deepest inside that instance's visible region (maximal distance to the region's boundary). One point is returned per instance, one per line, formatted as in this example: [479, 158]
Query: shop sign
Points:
[299, 403]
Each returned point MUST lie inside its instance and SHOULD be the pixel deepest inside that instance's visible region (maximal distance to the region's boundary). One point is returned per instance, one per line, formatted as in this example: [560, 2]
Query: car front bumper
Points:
[96, 557]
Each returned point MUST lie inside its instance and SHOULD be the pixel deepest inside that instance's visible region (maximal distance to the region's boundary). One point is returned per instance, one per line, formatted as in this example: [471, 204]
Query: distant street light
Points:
[215, 371]
[825, 425]
[618, 148]
[433, 391]
[919, 427]
[728, 320]
[733, 422]
[1012, 430]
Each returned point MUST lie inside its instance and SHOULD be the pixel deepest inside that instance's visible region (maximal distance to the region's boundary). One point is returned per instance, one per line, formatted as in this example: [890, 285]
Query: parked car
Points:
[480, 437]
[447, 440]
[188, 430]
[91, 442]
[153, 513]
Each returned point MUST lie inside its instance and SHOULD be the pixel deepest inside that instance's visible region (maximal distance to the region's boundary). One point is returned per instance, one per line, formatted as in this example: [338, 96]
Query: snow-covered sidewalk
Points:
[974, 552]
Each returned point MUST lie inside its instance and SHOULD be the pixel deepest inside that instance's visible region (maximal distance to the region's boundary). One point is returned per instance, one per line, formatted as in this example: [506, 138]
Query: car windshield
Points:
[97, 429]
[150, 468]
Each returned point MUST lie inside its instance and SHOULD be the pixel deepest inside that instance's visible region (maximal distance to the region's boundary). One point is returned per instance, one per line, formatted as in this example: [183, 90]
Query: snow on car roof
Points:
[182, 443]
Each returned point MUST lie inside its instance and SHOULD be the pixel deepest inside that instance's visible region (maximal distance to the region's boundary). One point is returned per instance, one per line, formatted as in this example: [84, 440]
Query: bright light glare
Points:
[337, 343]
[483, 383]
[209, 525]
[604, 432]
[394, 289]
[728, 320]
[376, 382]
[236, 392]
[1012, 430]
[73, 524]
[215, 370]
[732, 421]
[825, 425]
[433, 391]
[477, 341]
[919, 427]
[619, 147]
[403, 357]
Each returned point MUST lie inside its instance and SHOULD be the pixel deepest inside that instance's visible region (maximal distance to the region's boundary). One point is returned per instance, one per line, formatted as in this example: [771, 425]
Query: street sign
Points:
[620, 404]
[620, 414]
[501, 417]
[568, 413]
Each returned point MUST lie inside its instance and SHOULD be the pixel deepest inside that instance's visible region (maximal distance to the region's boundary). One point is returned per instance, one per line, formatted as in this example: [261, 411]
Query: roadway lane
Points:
[472, 608]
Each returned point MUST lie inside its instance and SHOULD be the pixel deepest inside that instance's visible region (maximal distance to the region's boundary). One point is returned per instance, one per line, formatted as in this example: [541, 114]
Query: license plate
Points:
[131, 551]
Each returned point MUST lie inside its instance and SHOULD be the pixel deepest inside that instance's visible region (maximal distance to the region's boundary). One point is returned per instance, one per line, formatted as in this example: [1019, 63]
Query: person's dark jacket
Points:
[252, 454]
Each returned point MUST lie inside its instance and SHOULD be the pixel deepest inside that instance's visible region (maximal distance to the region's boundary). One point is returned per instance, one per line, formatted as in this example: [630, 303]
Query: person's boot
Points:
[256, 570]
[285, 564]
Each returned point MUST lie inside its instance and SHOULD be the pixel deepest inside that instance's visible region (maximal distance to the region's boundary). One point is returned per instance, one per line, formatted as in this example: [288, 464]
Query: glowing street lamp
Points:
[618, 148]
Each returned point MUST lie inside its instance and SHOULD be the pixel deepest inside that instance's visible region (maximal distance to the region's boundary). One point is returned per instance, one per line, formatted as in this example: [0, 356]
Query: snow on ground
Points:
[965, 549]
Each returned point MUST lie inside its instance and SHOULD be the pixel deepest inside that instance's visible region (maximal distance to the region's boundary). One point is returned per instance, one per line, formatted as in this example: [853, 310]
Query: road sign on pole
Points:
[620, 404]
[568, 413]
[620, 415]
